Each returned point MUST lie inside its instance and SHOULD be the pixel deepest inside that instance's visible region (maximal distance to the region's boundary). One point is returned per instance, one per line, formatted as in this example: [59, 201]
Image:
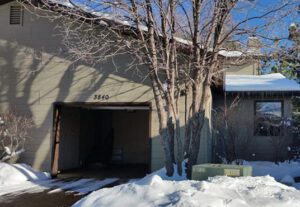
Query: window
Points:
[268, 118]
[16, 15]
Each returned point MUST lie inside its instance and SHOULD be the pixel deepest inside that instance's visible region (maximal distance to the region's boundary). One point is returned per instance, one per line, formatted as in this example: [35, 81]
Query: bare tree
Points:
[277, 129]
[180, 42]
[232, 141]
[13, 134]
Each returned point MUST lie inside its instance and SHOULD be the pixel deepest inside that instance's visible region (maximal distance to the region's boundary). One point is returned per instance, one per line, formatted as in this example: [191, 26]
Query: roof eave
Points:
[291, 92]
[5, 1]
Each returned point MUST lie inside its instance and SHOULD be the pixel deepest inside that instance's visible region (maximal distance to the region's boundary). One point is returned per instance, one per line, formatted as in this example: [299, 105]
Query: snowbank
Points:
[162, 173]
[278, 171]
[18, 173]
[154, 190]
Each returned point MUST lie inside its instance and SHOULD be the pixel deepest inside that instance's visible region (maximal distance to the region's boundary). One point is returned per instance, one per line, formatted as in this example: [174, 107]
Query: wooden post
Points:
[56, 140]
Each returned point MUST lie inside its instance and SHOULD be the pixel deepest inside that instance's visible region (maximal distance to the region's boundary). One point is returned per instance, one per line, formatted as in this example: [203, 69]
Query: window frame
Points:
[255, 114]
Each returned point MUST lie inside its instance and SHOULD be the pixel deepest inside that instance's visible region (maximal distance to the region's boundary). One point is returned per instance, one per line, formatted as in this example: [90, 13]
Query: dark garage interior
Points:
[104, 141]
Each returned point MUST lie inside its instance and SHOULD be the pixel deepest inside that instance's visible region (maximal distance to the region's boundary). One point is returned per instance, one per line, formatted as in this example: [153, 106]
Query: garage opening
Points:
[101, 141]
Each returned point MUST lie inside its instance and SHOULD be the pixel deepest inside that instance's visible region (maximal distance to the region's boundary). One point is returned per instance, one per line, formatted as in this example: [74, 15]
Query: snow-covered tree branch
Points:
[13, 134]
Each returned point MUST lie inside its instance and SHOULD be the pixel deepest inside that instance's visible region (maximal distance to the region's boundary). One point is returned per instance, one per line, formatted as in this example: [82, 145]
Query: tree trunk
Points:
[165, 140]
[187, 139]
[171, 131]
[174, 134]
[195, 127]
[179, 147]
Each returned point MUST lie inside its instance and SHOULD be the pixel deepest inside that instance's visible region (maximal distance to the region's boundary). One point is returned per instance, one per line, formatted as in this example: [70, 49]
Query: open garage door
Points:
[102, 139]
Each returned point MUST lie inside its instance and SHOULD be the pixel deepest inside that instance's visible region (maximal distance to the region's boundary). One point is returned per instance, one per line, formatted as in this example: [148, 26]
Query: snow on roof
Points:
[119, 20]
[66, 3]
[227, 53]
[252, 83]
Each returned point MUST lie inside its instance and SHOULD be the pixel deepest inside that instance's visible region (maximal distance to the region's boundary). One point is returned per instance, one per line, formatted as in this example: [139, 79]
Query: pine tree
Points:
[288, 58]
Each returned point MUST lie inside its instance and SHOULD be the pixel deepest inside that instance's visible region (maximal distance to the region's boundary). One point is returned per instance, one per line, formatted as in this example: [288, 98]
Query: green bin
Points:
[203, 171]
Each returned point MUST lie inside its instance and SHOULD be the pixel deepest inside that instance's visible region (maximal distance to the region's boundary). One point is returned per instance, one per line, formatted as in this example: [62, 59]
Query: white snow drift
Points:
[19, 173]
[155, 190]
[217, 192]
[278, 171]
[21, 178]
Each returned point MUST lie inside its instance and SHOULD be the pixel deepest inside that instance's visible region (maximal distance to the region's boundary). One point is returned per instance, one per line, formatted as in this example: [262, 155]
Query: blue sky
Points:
[279, 28]
[250, 8]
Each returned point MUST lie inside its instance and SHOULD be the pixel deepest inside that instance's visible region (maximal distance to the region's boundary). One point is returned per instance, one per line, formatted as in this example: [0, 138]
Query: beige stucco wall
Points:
[243, 116]
[247, 67]
[35, 73]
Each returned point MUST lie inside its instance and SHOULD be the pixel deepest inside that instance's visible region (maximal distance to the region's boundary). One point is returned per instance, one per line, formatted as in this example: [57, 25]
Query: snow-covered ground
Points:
[21, 178]
[18, 173]
[157, 189]
[283, 172]
[278, 171]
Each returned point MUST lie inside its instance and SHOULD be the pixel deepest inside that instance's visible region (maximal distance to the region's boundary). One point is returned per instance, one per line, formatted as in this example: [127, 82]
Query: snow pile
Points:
[21, 178]
[223, 191]
[278, 171]
[63, 3]
[227, 53]
[18, 173]
[269, 82]
[288, 180]
[82, 186]
[162, 174]
[73, 186]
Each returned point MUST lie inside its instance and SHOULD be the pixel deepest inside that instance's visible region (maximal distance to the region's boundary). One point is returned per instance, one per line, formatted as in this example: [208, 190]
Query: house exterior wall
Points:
[251, 67]
[243, 116]
[35, 72]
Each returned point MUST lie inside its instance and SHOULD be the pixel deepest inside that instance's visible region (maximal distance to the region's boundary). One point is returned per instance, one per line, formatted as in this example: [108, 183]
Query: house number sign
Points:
[101, 97]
